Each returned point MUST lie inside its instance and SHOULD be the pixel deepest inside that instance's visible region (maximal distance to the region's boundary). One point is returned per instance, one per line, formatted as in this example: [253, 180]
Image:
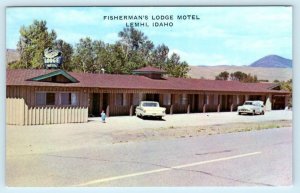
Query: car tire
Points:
[263, 112]
[239, 113]
[253, 112]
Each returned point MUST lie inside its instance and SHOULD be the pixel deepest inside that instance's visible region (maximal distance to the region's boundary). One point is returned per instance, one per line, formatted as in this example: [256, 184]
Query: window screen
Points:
[45, 99]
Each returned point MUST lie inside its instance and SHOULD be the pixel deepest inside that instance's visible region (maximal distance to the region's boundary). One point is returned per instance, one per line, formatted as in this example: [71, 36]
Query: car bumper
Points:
[154, 114]
[245, 111]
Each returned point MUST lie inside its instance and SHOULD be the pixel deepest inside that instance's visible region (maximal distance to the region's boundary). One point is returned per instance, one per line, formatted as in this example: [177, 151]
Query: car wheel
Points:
[253, 112]
[239, 113]
[263, 112]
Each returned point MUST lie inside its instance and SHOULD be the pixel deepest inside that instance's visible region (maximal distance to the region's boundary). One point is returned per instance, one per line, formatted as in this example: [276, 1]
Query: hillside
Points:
[11, 55]
[272, 61]
[271, 74]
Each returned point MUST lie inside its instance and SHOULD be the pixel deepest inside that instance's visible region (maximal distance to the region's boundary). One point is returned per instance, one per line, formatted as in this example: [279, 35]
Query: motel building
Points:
[43, 96]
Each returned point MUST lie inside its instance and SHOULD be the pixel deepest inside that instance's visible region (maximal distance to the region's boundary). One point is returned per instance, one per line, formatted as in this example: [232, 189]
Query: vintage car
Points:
[251, 107]
[150, 109]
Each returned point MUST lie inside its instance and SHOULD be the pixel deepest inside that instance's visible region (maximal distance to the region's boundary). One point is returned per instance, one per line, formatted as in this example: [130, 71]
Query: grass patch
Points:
[183, 132]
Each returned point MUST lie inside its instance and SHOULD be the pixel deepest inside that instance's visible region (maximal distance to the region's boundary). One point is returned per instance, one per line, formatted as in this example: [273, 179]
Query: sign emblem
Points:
[52, 58]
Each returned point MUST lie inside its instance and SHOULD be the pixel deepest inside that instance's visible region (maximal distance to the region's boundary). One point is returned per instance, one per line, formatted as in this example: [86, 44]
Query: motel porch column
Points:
[269, 103]
[286, 101]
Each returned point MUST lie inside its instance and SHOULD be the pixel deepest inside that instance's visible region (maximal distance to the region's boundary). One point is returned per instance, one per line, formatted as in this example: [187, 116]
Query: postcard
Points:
[149, 96]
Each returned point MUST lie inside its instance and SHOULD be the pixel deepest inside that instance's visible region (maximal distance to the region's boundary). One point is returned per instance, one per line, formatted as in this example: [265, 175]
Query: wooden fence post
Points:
[188, 109]
[231, 107]
[30, 116]
[219, 107]
[58, 115]
[86, 114]
[171, 110]
[22, 111]
[44, 115]
[37, 115]
[33, 116]
[204, 108]
[41, 115]
[47, 109]
[26, 115]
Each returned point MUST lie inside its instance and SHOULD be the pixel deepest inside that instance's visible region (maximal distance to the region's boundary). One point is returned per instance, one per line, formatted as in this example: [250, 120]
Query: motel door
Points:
[96, 105]
[152, 97]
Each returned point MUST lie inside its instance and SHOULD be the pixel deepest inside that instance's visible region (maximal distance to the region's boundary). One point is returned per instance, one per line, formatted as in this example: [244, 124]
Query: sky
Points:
[221, 35]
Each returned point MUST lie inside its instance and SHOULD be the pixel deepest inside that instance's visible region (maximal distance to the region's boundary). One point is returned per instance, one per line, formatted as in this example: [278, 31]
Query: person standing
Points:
[103, 116]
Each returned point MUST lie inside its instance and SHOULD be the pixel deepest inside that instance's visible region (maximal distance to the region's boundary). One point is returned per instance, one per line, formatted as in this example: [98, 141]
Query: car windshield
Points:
[248, 103]
[148, 104]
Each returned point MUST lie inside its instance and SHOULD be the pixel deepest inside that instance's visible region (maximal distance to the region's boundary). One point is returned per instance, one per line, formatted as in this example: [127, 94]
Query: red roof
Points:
[150, 69]
[20, 77]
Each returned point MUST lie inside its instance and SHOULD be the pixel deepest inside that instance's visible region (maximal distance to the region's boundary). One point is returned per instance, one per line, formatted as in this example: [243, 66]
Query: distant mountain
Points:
[271, 74]
[272, 61]
[12, 55]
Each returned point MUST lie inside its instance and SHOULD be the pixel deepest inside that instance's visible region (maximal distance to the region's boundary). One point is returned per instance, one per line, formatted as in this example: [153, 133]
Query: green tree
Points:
[160, 55]
[222, 76]
[33, 40]
[137, 48]
[84, 56]
[287, 86]
[249, 78]
[67, 53]
[132, 38]
[112, 58]
[238, 75]
[134, 50]
[99, 55]
[174, 67]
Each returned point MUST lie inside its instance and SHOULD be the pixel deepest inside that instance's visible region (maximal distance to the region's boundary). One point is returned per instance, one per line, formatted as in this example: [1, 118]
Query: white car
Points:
[251, 107]
[150, 109]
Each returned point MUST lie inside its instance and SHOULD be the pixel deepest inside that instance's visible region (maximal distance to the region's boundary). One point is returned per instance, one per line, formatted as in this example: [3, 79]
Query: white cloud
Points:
[259, 46]
[195, 59]
[78, 17]
[110, 38]
[70, 36]
[199, 32]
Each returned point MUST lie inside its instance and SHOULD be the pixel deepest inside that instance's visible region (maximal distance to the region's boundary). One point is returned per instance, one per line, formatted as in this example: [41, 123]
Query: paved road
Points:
[262, 158]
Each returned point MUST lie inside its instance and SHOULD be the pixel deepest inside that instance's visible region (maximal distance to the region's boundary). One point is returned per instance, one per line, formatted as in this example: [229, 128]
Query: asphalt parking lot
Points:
[83, 155]
[183, 120]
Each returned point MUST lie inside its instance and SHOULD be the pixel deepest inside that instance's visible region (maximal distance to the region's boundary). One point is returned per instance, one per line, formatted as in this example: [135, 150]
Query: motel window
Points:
[125, 99]
[119, 99]
[69, 99]
[136, 99]
[216, 99]
[183, 100]
[167, 99]
[43, 98]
